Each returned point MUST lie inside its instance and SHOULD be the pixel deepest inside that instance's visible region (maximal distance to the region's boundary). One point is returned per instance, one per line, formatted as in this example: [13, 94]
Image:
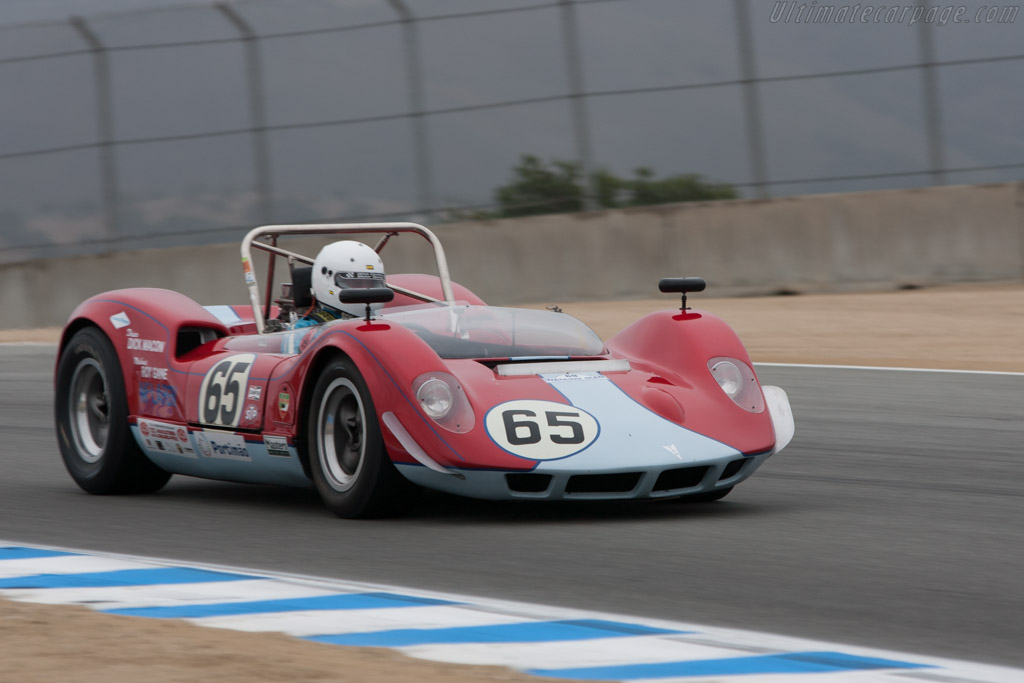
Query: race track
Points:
[893, 520]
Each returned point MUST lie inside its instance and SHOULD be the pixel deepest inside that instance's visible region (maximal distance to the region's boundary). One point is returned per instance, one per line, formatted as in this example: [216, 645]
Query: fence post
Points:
[751, 98]
[578, 102]
[930, 95]
[257, 110]
[421, 140]
[104, 124]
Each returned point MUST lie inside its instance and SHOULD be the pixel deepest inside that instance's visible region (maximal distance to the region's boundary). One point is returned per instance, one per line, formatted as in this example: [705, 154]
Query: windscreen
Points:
[491, 332]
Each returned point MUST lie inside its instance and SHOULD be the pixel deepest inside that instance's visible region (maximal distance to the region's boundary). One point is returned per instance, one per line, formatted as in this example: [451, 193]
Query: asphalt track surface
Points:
[895, 519]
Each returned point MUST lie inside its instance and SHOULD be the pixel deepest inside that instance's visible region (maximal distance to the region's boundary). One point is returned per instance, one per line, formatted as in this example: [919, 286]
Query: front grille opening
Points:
[680, 478]
[623, 482]
[732, 469]
[528, 482]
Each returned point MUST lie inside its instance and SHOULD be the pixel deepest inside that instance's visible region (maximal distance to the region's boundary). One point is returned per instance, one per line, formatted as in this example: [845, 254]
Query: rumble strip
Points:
[559, 643]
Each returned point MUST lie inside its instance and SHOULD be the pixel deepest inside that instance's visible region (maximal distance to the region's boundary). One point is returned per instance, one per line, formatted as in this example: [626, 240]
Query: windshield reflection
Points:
[465, 331]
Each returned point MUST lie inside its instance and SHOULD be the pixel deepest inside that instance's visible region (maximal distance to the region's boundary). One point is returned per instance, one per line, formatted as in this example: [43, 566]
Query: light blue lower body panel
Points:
[622, 483]
[216, 454]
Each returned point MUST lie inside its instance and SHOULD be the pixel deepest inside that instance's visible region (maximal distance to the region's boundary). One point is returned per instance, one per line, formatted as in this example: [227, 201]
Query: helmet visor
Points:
[358, 279]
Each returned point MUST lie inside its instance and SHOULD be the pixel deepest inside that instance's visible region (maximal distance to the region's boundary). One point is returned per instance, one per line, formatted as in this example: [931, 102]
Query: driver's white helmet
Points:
[346, 264]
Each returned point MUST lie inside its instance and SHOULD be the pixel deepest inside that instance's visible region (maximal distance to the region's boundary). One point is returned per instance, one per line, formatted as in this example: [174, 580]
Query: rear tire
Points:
[91, 412]
[350, 466]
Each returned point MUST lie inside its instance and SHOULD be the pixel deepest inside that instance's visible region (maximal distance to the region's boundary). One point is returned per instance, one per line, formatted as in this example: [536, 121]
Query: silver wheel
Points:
[89, 407]
[341, 434]
[91, 411]
[347, 460]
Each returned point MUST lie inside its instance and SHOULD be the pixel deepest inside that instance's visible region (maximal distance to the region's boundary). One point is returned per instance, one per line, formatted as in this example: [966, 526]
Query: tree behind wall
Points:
[557, 186]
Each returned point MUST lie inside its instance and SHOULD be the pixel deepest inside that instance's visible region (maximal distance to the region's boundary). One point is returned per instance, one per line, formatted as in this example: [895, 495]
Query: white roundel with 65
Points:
[540, 430]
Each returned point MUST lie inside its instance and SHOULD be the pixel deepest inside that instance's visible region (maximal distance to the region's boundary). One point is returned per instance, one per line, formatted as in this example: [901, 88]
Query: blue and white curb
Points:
[546, 641]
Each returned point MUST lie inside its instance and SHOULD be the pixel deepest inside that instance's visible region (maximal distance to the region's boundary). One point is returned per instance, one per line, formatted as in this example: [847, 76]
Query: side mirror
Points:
[682, 285]
[375, 295]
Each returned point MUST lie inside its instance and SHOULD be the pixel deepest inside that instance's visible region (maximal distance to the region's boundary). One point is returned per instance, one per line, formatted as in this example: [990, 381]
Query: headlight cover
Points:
[441, 398]
[738, 382]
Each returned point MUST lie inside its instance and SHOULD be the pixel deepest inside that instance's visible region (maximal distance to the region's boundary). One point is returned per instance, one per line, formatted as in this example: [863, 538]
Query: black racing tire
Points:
[91, 411]
[706, 497]
[350, 466]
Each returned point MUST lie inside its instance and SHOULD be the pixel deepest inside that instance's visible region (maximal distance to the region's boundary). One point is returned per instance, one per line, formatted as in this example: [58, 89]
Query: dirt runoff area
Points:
[972, 328]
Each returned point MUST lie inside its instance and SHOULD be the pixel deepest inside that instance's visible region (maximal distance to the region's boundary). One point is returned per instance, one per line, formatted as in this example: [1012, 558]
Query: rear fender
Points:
[145, 327]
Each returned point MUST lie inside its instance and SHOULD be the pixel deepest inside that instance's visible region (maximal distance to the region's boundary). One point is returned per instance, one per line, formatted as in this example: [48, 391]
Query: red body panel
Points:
[668, 352]
[155, 377]
[674, 348]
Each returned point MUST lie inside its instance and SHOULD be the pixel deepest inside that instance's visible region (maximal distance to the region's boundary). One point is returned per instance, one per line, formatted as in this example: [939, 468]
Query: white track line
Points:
[880, 367]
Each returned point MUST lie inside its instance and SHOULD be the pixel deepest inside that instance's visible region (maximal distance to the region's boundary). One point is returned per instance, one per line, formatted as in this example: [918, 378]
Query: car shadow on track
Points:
[434, 506]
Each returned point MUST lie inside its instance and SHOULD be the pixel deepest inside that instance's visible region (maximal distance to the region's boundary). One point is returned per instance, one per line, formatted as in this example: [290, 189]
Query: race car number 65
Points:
[220, 397]
[540, 430]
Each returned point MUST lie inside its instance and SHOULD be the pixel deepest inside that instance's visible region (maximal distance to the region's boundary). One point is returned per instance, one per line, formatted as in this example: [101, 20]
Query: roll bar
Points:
[388, 230]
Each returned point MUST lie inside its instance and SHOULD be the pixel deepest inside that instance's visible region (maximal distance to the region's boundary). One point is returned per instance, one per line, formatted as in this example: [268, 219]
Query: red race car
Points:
[368, 387]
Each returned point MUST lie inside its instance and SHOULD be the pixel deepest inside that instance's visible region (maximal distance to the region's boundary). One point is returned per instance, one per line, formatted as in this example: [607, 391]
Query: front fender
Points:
[389, 357]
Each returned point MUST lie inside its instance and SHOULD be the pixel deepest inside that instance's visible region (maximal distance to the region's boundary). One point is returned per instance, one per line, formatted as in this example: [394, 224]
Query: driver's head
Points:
[346, 264]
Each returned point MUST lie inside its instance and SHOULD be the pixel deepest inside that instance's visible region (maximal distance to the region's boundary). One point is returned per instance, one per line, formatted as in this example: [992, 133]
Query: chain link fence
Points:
[190, 124]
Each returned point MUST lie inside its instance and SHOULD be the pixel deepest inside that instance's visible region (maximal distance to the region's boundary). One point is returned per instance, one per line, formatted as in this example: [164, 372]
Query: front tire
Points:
[350, 466]
[91, 412]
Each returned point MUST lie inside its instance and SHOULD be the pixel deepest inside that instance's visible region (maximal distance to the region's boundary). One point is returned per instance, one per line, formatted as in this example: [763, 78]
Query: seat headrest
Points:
[302, 286]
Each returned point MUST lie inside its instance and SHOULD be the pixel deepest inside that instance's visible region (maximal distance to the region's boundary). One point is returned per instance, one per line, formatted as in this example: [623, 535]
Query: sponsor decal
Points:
[222, 445]
[157, 399]
[147, 372]
[136, 343]
[220, 396]
[166, 438]
[573, 377]
[284, 401]
[673, 450]
[254, 393]
[250, 279]
[277, 445]
[251, 412]
[541, 430]
[119, 320]
[341, 276]
[139, 361]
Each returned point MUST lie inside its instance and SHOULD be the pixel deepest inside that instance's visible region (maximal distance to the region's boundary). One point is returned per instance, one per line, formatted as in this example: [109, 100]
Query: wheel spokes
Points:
[348, 418]
[90, 409]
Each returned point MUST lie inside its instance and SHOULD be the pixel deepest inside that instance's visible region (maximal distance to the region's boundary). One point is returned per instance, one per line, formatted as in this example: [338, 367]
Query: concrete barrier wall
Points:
[817, 243]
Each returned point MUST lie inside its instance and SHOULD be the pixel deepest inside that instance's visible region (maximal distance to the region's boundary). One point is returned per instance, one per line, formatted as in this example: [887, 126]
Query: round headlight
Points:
[728, 377]
[436, 398]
